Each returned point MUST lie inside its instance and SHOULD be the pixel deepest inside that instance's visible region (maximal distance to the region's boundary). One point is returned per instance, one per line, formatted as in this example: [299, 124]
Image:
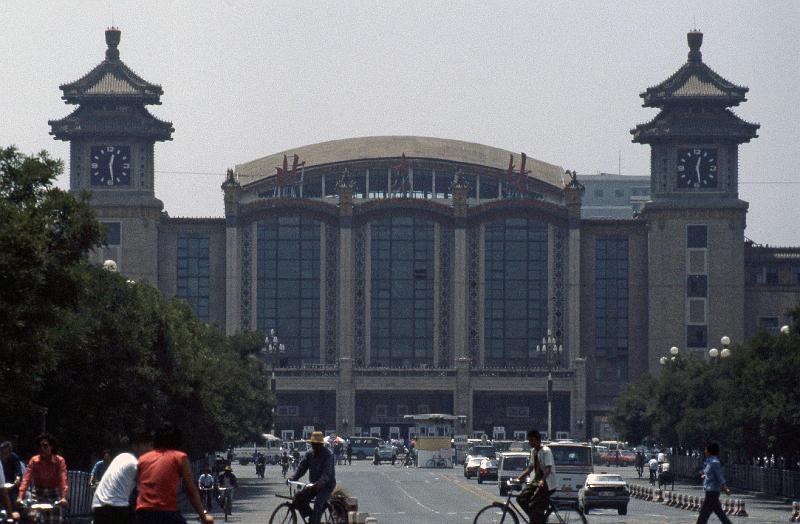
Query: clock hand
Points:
[111, 169]
[697, 169]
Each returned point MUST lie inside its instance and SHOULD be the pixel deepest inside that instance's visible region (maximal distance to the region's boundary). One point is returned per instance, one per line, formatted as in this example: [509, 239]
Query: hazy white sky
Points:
[557, 80]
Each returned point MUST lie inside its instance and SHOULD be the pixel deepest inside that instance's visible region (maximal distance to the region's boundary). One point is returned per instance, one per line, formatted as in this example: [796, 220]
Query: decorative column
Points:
[233, 271]
[345, 395]
[463, 394]
[573, 193]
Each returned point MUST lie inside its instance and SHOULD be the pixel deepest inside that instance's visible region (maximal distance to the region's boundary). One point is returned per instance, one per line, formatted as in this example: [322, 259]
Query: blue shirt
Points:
[320, 469]
[99, 469]
[713, 479]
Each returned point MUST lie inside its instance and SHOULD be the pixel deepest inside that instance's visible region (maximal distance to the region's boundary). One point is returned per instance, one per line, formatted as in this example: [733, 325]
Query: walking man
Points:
[713, 483]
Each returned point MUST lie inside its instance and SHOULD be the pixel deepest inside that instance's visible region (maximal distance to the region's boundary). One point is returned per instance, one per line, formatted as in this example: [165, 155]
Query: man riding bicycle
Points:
[227, 480]
[535, 497]
[284, 463]
[639, 463]
[319, 462]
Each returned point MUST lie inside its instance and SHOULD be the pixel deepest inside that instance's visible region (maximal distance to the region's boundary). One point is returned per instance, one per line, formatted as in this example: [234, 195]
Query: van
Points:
[364, 447]
[573, 463]
[510, 465]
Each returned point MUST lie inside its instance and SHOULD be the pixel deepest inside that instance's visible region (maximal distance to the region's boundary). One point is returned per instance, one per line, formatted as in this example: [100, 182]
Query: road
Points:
[419, 496]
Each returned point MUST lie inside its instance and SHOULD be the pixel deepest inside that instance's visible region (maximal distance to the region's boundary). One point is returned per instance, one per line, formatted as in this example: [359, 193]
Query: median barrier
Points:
[659, 496]
[740, 509]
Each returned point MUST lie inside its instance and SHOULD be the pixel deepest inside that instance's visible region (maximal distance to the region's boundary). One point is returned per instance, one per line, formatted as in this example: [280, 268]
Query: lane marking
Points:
[407, 494]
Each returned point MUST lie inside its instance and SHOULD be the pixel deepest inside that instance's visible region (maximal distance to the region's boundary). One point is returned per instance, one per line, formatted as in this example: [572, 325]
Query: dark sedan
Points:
[487, 470]
[604, 491]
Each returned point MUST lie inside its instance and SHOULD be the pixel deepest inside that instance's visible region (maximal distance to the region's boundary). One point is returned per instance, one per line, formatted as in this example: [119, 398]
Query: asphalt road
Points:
[403, 496]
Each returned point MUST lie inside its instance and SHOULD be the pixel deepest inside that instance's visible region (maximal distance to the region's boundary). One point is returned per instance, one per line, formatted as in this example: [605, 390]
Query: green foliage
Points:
[107, 357]
[749, 402]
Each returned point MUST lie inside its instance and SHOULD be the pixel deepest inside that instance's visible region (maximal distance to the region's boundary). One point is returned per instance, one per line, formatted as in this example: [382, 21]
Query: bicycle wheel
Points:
[565, 516]
[283, 514]
[334, 514]
[495, 514]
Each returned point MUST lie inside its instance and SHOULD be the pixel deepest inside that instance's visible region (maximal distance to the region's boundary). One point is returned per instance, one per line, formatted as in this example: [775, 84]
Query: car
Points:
[510, 465]
[364, 447]
[482, 450]
[487, 470]
[471, 466]
[387, 452]
[604, 490]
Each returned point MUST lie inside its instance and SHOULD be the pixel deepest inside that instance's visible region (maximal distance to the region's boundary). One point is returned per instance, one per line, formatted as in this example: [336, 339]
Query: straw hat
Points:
[317, 438]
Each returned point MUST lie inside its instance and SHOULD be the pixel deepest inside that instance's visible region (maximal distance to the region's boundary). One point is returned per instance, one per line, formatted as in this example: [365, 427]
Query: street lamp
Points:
[785, 330]
[273, 348]
[551, 351]
[725, 341]
[673, 356]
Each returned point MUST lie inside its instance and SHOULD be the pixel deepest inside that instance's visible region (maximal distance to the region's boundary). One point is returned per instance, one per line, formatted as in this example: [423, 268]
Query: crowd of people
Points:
[139, 485]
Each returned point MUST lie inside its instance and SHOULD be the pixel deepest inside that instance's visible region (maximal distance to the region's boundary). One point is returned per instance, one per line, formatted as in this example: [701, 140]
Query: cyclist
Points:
[535, 497]
[261, 465]
[227, 480]
[12, 467]
[653, 467]
[206, 484]
[319, 463]
[47, 471]
[284, 463]
[295, 459]
[5, 498]
[100, 468]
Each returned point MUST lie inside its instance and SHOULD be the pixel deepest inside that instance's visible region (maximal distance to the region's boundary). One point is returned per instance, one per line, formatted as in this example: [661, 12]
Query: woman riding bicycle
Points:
[47, 471]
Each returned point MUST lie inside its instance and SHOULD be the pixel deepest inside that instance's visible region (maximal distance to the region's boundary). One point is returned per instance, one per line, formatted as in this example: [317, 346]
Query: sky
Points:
[559, 81]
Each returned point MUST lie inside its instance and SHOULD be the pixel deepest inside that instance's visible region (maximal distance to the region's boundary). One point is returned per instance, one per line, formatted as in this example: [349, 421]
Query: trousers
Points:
[711, 505]
[303, 501]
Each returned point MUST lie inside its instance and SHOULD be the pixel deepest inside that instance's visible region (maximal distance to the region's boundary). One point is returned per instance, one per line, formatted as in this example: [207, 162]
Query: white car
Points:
[471, 466]
[510, 465]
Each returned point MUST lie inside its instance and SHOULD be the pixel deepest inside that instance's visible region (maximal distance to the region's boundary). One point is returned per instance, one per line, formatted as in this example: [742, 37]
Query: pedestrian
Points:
[713, 483]
[47, 473]
[161, 471]
[100, 468]
[13, 468]
[376, 457]
[535, 497]
[349, 453]
[111, 503]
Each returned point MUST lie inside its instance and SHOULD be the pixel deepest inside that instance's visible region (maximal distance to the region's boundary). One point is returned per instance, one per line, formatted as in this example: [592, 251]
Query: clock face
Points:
[697, 168]
[111, 166]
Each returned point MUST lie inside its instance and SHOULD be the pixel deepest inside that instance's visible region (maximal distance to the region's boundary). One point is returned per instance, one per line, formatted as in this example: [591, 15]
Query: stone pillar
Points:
[233, 270]
[346, 393]
[573, 193]
[462, 403]
[577, 402]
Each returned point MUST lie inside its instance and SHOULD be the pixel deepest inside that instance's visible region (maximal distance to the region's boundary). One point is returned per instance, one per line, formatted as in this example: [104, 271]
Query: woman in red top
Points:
[160, 473]
[47, 477]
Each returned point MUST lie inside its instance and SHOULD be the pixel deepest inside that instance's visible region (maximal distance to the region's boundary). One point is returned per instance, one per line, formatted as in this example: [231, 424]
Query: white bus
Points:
[573, 463]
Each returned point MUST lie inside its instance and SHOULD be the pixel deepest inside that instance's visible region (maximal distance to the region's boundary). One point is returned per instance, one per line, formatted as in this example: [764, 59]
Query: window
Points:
[112, 232]
[697, 311]
[402, 292]
[288, 282]
[598, 193]
[795, 275]
[696, 236]
[423, 183]
[402, 410]
[517, 411]
[696, 336]
[697, 262]
[516, 298]
[193, 273]
[423, 409]
[619, 193]
[443, 181]
[380, 410]
[771, 275]
[611, 308]
[378, 182]
[288, 411]
[359, 178]
[697, 286]
[488, 187]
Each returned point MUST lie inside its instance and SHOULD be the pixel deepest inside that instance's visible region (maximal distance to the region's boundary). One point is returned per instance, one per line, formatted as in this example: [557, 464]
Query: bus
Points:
[573, 463]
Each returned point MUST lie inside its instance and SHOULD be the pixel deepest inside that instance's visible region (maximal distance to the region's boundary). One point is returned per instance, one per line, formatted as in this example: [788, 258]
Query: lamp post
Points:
[551, 351]
[272, 347]
[673, 356]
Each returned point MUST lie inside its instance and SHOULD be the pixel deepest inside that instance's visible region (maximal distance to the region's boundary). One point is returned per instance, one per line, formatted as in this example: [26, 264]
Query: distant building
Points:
[613, 196]
[410, 275]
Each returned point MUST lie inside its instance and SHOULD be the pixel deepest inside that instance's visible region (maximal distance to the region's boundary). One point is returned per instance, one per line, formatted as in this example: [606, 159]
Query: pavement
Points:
[396, 495]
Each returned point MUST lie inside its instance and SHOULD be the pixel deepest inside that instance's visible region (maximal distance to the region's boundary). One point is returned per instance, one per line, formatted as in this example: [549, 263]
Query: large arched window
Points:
[516, 290]
[288, 285]
[402, 292]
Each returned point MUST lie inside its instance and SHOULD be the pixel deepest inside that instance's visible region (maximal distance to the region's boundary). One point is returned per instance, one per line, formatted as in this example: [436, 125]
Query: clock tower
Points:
[111, 135]
[695, 218]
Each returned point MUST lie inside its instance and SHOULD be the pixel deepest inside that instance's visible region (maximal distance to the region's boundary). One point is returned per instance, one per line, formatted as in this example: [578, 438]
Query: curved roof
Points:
[376, 147]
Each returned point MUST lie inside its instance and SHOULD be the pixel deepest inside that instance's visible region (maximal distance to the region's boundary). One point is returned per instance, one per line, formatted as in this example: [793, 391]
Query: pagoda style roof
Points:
[722, 124]
[111, 79]
[91, 121]
[694, 82]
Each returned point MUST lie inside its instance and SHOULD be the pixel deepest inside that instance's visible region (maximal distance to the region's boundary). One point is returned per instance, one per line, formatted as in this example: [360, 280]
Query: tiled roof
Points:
[674, 123]
[693, 86]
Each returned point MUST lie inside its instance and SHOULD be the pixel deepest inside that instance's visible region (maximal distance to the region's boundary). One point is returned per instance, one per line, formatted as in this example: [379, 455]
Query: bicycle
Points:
[436, 461]
[407, 462]
[207, 496]
[40, 512]
[225, 501]
[289, 513]
[511, 513]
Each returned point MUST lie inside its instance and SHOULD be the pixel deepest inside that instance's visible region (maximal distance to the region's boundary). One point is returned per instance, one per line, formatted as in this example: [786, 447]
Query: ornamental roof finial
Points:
[695, 39]
[112, 40]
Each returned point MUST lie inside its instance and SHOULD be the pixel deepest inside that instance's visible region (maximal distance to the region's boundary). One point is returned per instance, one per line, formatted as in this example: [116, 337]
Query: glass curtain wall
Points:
[516, 291]
[611, 308]
[193, 263]
[289, 285]
[402, 292]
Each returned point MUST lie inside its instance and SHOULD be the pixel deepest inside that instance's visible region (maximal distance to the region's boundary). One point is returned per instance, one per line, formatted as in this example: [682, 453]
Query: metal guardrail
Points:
[773, 481]
[80, 496]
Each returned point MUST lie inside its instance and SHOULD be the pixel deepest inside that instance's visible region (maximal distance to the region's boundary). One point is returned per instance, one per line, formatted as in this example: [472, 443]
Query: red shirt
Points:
[43, 473]
[159, 477]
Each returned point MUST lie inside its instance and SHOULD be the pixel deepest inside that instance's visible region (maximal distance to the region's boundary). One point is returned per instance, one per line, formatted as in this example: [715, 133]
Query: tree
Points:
[632, 414]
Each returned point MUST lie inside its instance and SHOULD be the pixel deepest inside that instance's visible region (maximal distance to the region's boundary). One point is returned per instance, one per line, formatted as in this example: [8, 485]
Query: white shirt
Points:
[2, 477]
[545, 457]
[653, 464]
[117, 483]
[206, 480]
[662, 457]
